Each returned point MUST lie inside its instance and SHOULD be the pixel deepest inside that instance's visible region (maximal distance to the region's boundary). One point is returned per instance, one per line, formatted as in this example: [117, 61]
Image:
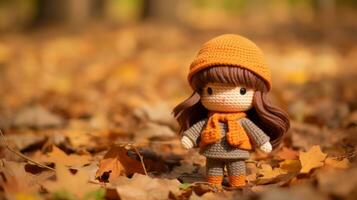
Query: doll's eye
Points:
[209, 91]
[242, 91]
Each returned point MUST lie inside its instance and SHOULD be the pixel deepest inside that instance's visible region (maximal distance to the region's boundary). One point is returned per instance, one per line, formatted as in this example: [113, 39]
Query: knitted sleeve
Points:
[255, 133]
[194, 131]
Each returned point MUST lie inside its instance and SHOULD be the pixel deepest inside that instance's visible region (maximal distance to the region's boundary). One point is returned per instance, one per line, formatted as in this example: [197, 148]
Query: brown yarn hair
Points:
[271, 119]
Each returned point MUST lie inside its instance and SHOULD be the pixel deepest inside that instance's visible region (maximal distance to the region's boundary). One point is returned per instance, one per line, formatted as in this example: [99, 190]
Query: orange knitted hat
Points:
[232, 50]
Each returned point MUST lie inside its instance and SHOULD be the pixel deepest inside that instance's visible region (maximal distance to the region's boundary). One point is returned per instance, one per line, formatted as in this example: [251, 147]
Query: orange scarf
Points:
[236, 136]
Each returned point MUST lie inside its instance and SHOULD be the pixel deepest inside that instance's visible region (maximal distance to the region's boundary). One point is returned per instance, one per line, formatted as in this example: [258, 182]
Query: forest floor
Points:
[87, 115]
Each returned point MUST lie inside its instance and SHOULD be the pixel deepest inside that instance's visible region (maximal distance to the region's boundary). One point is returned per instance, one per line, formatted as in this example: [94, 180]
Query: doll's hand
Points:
[266, 147]
[186, 142]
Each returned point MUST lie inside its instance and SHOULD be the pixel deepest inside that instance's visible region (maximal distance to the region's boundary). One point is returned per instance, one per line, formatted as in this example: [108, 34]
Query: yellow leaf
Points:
[22, 196]
[338, 164]
[311, 159]
[268, 172]
[291, 166]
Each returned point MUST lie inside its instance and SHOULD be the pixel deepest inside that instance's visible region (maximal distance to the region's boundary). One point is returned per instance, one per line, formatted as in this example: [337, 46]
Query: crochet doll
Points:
[229, 112]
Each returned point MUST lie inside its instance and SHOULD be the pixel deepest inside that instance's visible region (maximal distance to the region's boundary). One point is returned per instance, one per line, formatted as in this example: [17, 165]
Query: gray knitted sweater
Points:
[222, 149]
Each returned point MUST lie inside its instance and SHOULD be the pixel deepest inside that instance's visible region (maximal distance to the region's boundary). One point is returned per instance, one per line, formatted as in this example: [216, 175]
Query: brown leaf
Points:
[77, 184]
[57, 156]
[116, 162]
[37, 117]
[311, 159]
[296, 192]
[145, 187]
[15, 180]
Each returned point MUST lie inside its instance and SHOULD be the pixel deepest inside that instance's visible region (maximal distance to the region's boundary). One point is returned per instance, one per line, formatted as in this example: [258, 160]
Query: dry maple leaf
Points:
[57, 156]
[145, 187]
[76, 184]
[313, 158]
[268, 174]
[15, 180]
[116, 162]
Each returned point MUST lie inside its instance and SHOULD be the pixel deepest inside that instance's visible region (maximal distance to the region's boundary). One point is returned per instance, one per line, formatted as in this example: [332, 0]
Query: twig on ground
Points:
[4, 140]
[141, 159]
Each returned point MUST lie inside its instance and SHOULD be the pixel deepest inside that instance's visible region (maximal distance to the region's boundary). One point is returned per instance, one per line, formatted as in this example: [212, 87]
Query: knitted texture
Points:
[226, 98]
[236, 136]
[236, 167]
[215, 167]
[237, 181]
[222, 149]
[215, 180]
[258, 139]
[232, 50]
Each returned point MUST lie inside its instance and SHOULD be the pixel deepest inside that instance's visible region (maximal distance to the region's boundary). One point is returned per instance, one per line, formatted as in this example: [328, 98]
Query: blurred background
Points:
[84, 74]
[104, 66]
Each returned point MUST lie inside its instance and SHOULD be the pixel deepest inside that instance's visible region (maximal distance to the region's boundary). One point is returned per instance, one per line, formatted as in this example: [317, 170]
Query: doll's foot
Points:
[237, 181]
[215, 181]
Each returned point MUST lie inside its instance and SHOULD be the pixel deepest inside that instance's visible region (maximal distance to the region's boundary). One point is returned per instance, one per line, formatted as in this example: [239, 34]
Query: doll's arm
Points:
[192, 135]
[259, 138]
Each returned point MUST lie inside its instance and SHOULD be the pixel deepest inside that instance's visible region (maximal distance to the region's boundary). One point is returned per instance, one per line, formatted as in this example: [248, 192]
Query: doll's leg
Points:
[214, 171]
[236, 173]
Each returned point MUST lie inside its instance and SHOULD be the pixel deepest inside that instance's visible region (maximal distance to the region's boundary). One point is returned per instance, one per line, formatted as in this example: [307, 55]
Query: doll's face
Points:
[226, 97]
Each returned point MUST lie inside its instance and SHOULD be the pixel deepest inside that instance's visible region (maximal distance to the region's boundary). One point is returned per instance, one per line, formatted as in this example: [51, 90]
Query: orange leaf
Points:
[57, 156]
[116, 162]
[268, 174]
[77, 184]
[291, 166]
[338, 164]
[287, 154]
[145, 187]
[311, 159]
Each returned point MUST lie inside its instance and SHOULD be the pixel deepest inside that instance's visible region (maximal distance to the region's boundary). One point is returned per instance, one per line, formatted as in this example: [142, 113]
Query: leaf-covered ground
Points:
[87, 115]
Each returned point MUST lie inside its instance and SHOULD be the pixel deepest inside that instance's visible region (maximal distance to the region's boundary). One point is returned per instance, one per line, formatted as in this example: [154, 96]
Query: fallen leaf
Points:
[37, 117]
[338, 164]
[291, 166]
[153, 130]
[313, 158]
[267, 174]
[76, 184]
[145, 187]
[24, 140]
[229, 195]
[158, 113]
[294, 193]
[287, 154]
[115, 163]
[57, 156]
[16, 181]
